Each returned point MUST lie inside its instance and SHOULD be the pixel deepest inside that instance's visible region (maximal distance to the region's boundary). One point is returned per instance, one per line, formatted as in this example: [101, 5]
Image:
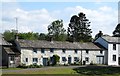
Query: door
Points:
[45, 61]
[100, 59]
[11, 61]
[69, 60]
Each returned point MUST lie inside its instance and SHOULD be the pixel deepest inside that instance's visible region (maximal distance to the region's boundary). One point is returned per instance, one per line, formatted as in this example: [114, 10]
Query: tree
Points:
[116, 32]
[56, 59]
[56, 30]
[29, 36]
[98, 35]
[78, 29]
[9, 35]
[42, 36]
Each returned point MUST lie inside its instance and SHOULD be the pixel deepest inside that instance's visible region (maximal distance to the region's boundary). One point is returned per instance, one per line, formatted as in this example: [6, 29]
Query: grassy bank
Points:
[80, 71]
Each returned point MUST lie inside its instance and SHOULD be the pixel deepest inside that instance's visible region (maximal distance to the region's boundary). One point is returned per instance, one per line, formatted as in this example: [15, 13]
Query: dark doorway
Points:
[45, 61]
[69, 60]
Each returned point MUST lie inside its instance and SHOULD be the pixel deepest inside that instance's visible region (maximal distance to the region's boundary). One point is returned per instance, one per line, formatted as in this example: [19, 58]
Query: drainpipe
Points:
[81, 57]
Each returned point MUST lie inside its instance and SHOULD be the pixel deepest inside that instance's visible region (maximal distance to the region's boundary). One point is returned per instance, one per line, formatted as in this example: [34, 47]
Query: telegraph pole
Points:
[16, 20]
[16, 36]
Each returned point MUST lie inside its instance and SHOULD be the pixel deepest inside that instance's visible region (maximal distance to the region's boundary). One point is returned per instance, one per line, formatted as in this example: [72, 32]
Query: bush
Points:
[34, 66]
[30, 66]
[56, 59]
[22, 66]
[92, 63]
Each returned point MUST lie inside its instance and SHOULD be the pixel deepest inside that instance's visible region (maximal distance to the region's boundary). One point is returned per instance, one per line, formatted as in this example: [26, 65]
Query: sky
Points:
[35, 16]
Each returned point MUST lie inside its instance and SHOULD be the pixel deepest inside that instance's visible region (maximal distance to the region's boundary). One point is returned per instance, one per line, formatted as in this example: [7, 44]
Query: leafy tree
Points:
[98, 35]
[42, 36]
[9, 35]
[29, 36]
[116, 32]
[56, 30]
[78, 29]
[56, 59]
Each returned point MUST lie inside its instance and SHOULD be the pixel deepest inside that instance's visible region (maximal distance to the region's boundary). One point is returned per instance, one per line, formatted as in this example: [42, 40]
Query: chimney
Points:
[16, 36]
[51, 38]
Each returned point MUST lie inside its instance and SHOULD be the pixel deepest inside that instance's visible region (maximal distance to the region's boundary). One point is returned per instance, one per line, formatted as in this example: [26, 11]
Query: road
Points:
[35, 69]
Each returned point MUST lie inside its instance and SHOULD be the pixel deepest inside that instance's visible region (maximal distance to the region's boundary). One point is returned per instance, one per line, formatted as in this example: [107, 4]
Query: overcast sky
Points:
[36, 16]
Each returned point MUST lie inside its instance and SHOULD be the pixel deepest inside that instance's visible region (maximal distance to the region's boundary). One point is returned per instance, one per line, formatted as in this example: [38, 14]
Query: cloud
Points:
[104, 18]
[35, 20]
[105, 9]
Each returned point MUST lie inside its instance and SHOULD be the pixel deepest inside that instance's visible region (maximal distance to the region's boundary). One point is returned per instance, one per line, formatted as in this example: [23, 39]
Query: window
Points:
[35, 50]
[35, 60]
[26, 59]
[51, 50]
[63, 50]
[42, 51]
[76, 59]
[87, 51]
[114, 46]
[101, 52]
[87, 59]
[76, 51]
[64, 59]
[12, 58]
[114, 57]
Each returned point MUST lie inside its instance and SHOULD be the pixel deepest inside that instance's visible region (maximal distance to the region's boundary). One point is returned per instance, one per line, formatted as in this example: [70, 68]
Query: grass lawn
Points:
[98, 70]
[11, 68]
[44, 71]
[58, 71]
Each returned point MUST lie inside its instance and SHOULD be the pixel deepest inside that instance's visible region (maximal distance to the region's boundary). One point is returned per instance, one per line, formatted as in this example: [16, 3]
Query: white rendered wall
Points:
[28, 53]
[112, 52]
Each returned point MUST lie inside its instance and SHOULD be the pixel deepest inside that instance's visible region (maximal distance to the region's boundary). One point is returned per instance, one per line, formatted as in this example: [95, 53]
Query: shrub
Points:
[56, 59]
[30, 66]
[92, 63]
[34, 66]
[22, 66]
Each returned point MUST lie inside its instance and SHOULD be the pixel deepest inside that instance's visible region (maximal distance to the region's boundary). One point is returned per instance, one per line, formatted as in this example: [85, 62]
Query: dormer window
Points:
[63, 50]
[76, 51]
[51, 50]
[87, 51]
[101, 52]
[114, 46]
[42, 50]
[35, 50]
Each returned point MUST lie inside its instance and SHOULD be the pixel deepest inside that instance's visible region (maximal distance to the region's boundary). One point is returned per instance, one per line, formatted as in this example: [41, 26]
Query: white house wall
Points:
[28, 53]
[119, 50]
[92, 55]
[112, 52]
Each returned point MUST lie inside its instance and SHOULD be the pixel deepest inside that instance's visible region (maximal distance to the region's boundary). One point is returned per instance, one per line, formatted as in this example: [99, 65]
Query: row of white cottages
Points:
[105, 50]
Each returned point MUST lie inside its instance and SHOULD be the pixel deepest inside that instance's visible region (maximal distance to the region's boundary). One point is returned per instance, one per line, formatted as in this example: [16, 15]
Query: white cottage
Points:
[40, 52]
[112, 44]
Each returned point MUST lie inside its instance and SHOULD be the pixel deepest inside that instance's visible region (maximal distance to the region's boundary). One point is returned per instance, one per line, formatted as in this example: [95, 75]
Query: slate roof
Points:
[57, 44]
[3, 42]
[8, 50]
[8, 47]
[111, 39]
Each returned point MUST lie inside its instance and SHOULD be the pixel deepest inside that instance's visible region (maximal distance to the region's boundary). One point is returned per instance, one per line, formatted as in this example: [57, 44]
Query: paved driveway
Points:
[36, 69]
